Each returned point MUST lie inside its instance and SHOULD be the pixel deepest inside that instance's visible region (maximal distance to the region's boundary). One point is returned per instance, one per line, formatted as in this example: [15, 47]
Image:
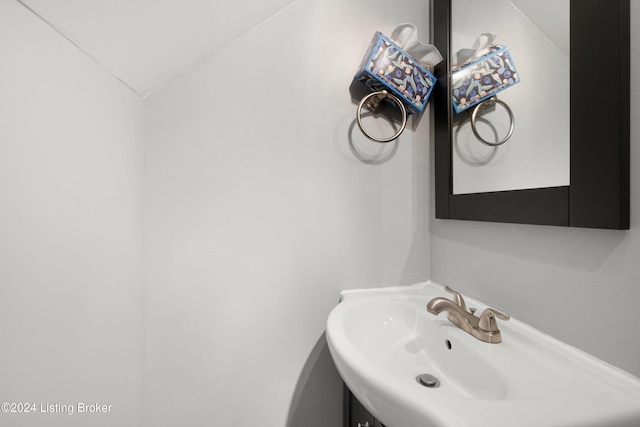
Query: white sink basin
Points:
[382, 339]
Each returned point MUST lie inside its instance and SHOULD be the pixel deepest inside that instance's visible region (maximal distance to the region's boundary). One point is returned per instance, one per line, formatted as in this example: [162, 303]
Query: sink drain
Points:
[428, 380]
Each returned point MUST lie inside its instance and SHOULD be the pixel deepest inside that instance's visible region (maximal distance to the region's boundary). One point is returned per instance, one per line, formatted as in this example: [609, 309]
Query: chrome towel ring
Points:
[487, 103]
[372, 101]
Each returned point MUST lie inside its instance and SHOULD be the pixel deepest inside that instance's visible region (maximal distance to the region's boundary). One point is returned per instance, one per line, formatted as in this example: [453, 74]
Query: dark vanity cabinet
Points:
[355, 414]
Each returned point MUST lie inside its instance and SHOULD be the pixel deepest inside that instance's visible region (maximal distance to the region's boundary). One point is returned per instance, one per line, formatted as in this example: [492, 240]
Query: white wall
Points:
[71, 147]
[259, 214]
[581, 286]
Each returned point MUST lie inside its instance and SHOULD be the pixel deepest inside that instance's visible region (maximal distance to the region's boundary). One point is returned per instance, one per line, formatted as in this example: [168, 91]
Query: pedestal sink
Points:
[383, 339]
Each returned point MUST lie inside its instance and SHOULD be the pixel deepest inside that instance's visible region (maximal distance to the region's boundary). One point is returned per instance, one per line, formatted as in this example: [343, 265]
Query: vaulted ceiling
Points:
[146, 43]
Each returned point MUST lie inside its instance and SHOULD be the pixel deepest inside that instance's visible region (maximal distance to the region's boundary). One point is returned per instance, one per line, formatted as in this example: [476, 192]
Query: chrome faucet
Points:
[484, 328]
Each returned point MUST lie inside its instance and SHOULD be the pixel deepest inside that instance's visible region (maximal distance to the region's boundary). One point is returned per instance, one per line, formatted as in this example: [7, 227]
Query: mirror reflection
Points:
[536, 33]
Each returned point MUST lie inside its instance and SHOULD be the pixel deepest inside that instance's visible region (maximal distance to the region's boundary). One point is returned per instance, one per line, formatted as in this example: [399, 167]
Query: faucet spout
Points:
[439, 304]
[484, 328]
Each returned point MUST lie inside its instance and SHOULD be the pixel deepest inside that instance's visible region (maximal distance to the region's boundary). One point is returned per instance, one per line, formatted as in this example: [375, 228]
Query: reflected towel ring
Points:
[372, 101]
[489, 102]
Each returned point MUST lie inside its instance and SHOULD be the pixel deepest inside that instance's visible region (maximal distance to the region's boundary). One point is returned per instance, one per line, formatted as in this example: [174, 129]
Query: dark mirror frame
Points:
[598, 194]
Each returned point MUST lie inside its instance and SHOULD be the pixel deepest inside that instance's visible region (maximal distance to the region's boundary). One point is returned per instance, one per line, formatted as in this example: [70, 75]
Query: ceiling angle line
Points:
[84, 51]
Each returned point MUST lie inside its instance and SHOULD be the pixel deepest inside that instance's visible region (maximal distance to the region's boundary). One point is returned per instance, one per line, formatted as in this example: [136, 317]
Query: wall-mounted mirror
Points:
[567, 162]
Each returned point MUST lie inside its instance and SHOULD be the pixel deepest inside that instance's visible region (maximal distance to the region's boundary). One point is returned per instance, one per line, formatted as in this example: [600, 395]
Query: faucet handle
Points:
[487, 320]
[457, 298]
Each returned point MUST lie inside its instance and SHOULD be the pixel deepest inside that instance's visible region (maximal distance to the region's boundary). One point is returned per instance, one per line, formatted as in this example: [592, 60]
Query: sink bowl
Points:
[382, 340]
